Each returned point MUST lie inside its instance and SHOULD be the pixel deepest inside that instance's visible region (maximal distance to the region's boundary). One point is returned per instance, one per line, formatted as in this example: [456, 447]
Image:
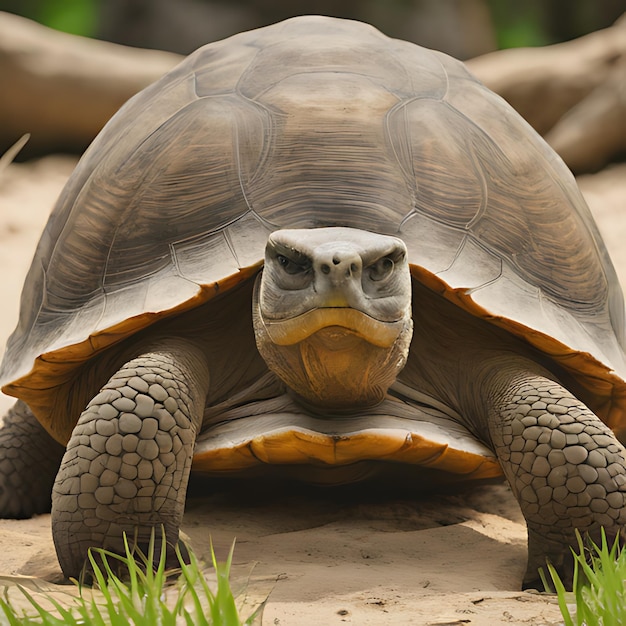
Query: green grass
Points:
[149, 594]
[599, 590]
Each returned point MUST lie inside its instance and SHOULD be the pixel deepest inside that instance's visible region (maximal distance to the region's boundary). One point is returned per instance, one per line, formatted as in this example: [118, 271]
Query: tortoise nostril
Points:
[336, 260]
[353, 267]
[325, 268]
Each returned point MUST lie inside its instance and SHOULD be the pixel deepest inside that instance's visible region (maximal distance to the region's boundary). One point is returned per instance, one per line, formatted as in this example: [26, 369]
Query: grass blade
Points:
[144, 598]
[598, 584]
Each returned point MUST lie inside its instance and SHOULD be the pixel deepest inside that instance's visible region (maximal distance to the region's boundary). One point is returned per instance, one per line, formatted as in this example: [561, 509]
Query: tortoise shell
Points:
[309, 123]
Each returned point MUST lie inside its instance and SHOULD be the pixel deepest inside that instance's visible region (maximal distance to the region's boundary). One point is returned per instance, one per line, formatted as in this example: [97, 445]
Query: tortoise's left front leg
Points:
[565, 466]
[128, 460]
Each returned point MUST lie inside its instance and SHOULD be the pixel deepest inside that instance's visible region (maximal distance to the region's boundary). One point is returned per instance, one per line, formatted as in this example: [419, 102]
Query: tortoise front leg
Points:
[127, 463]
[564, 465]
[29, 461]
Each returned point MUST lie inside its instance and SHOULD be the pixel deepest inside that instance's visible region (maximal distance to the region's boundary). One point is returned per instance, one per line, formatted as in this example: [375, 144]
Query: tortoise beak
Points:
[293, 330]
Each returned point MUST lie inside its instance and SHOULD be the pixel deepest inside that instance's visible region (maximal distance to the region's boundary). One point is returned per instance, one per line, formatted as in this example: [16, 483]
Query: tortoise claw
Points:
[542, 551]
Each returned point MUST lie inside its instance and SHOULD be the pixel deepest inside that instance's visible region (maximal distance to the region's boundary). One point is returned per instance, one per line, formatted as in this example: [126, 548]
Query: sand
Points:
[324, 557]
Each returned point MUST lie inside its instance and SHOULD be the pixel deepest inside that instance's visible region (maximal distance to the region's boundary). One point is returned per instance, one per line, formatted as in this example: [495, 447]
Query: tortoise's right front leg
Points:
[128, 460]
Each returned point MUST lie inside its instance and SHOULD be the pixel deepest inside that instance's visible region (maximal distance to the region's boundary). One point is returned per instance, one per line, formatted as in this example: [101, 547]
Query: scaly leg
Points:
[128, 461]
[565, 466]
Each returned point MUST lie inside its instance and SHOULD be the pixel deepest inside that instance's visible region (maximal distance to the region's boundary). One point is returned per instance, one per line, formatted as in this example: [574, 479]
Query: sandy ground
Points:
[325, 557]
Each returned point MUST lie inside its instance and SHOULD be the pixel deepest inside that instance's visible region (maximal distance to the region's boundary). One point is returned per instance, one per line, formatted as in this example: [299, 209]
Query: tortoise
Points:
[313, 249]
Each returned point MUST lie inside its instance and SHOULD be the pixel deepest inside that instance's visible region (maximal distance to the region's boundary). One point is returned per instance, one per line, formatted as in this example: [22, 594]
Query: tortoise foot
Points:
[542, 551]
[127, 464]
[560, 554]
[29, 461]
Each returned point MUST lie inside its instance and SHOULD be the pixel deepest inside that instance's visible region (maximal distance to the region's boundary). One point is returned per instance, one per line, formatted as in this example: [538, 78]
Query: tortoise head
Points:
[332, 314]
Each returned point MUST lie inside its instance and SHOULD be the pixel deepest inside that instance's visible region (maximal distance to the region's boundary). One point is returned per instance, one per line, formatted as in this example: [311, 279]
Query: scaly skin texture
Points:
[29, 462]
[127, 463]
[565, 466]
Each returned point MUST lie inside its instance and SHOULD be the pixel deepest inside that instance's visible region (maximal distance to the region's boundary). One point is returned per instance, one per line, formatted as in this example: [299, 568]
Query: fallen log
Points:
[61, 89]
[573, 93]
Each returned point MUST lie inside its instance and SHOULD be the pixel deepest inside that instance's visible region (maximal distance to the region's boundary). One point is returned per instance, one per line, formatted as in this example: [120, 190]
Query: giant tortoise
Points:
[318, 249]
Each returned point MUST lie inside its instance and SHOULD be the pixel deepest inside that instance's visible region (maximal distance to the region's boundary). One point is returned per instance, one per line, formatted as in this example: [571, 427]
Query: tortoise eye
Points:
[291, 267]
[381, 269]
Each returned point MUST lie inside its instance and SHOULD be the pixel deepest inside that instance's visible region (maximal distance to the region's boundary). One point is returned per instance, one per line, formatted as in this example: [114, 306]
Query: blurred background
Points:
[463, 28]
[560, 63]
